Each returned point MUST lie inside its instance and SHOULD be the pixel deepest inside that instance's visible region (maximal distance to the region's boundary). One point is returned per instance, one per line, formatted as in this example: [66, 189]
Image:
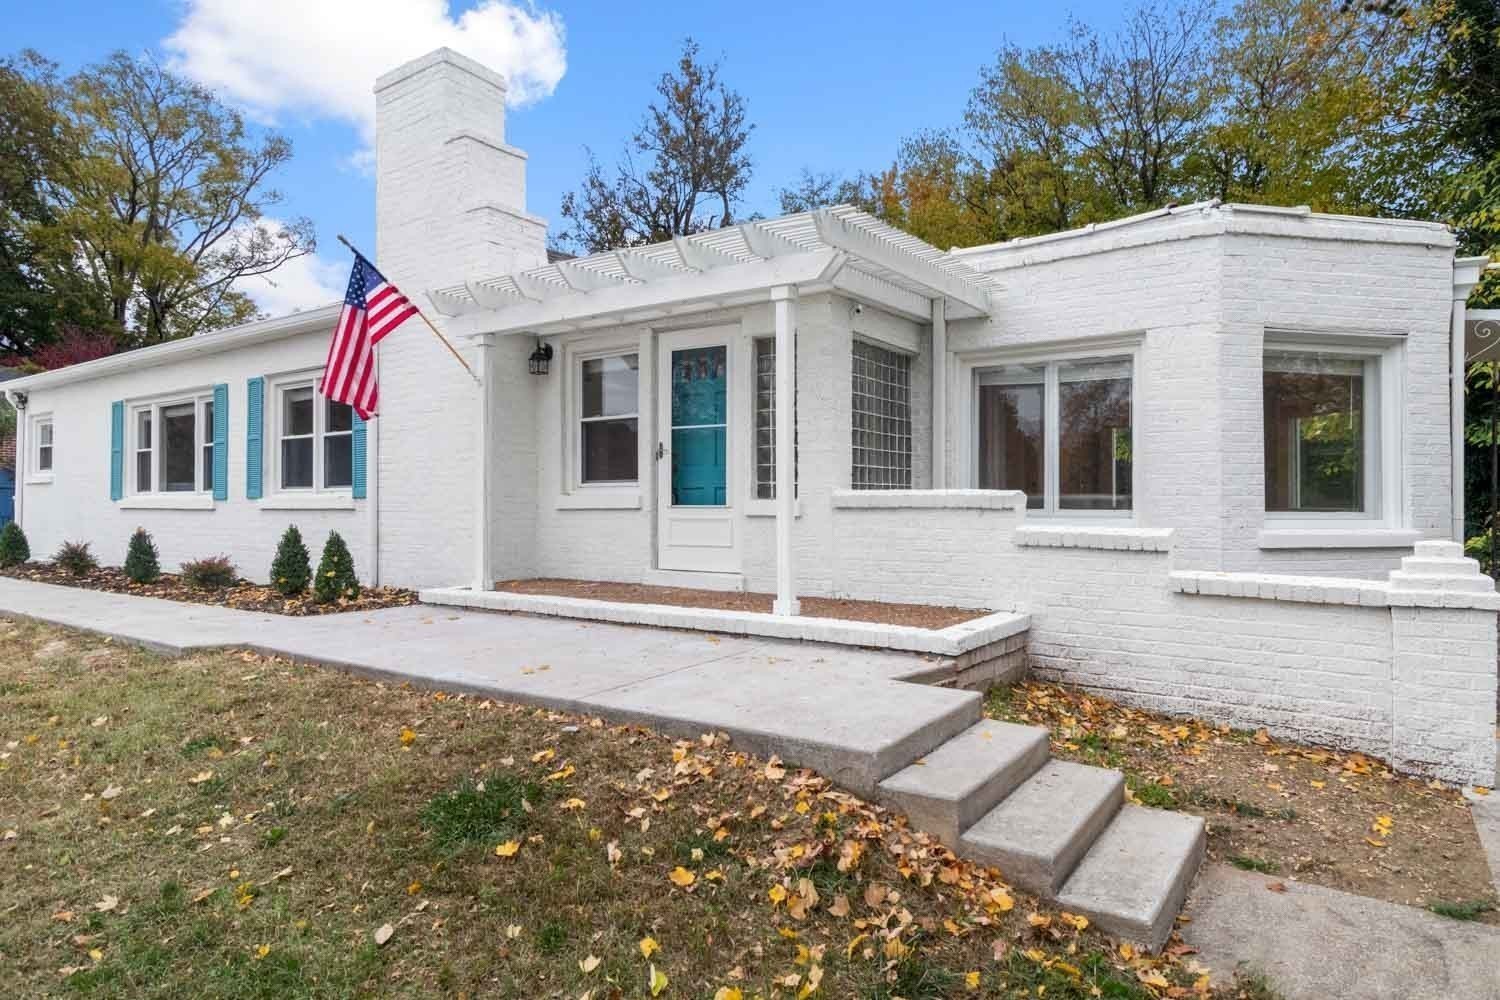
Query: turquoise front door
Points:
[695, 483]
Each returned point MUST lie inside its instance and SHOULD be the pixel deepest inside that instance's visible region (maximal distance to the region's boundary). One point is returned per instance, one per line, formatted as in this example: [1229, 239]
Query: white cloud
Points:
[305, 282]
[320, 58]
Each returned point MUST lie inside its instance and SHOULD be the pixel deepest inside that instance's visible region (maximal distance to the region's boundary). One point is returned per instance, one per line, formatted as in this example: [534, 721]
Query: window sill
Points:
[1118, 538]
[929, 499]
[600, 500]
[308, 501]
[1338, 538]
[168, 501]
[767, 508]
[39, 479]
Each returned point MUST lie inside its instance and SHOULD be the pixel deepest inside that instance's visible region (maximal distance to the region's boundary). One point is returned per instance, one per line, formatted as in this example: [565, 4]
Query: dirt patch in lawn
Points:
[242, 595]
[914, 615]
[233, 825]
[1342, 820]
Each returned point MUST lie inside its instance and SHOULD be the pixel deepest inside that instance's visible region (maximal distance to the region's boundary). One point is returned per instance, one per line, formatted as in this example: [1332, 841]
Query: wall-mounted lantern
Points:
[540, 360]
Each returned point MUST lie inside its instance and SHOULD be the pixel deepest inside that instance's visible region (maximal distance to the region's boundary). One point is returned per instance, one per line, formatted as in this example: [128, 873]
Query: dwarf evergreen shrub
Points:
[140, 558]
[335, 577]
[213, 573]
[14, 549]
[75, 558]
[291, 569]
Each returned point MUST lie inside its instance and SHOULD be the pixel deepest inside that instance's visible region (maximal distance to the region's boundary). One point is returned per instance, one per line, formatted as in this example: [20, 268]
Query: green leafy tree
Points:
[335, 579]
[14, 549]
[154, 200]
[692, 169]
[290, 570]
[141, 564]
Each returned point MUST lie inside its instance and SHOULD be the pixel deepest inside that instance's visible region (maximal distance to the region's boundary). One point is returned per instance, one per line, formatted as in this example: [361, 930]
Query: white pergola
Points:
[839, 249]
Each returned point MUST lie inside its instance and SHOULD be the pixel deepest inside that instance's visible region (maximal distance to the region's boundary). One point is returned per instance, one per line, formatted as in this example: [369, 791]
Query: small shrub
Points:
[213, 573]
[1470, 910]
[335, 577]
[14, 549]
[140, 558]
[1245, 863]
[291, 570]
[75, 558]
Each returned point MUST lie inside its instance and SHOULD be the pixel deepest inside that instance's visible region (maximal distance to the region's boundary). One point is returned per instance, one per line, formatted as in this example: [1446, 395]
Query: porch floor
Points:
[909, 615]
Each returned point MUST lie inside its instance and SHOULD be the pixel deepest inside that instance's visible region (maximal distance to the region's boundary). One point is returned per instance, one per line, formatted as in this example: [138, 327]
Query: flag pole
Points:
[435, 331]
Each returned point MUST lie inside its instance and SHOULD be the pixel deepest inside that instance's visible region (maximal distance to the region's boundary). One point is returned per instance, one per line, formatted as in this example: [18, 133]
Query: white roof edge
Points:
[244, 335]
[1203, 208]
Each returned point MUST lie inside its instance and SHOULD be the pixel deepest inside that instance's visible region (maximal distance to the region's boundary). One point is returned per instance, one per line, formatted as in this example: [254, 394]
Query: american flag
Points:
[373, 307]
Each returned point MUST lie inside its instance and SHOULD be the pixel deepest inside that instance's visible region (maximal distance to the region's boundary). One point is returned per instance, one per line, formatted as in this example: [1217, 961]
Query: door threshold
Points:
[694, 579]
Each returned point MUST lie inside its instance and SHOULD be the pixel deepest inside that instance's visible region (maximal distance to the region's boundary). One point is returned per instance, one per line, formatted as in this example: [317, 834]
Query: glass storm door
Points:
[697, 529]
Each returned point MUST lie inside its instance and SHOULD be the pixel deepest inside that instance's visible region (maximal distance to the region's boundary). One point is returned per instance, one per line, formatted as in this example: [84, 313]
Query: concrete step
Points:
[1039, 833]
[1134, 879]
[945, 792]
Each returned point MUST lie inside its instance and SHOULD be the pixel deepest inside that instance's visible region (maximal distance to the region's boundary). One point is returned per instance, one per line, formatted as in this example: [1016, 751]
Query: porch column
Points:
[784, 302]
[939, 394]
[1466, 274]
[484, 345]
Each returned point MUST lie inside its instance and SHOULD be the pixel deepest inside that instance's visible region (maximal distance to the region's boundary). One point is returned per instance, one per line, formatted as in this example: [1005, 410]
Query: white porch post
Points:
[1466, 274]
[939, 394]
[784, 299]
[484, 345]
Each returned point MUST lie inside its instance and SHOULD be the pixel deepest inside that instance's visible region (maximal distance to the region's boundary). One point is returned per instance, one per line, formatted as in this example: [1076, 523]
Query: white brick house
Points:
[1136, 433]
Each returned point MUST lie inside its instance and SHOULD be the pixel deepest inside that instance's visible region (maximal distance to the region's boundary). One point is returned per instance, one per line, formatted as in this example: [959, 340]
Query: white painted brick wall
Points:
[76, 505]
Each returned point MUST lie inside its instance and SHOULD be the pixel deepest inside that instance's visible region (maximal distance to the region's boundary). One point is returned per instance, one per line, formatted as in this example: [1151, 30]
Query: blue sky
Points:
[829, 86]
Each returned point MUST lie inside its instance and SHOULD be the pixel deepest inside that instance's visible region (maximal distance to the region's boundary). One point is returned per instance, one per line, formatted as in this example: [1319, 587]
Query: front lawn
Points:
[1343, 820]
[234, 826]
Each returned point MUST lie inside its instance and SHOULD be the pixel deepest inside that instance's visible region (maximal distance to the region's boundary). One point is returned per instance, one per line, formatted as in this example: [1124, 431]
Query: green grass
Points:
[1471, 910]
[484, 811]
[1150, 793]
[1248, 864]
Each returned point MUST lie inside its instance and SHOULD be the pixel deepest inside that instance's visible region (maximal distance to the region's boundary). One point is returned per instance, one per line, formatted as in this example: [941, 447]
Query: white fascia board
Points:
[568, 310]
[865, 287]
[323, 319]
[858, 244]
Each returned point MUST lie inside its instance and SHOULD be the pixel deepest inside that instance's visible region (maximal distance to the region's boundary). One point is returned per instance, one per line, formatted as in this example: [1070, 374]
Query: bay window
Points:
[1058, 431]
[608, 419]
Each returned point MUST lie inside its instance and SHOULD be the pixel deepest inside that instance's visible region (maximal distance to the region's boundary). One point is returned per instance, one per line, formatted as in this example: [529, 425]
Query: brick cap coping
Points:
[1114, 539]
[1324, 590]
[951, 641]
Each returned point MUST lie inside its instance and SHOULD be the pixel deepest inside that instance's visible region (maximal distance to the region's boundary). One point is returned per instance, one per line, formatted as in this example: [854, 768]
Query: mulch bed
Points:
[243, 596]
[1335, 818]
[914, 615]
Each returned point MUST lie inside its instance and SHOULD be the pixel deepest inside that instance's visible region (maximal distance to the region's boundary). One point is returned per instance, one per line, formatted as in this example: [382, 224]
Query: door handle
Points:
[661, 451]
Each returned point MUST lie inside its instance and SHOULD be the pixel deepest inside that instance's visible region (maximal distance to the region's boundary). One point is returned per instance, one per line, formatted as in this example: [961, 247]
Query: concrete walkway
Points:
[839, 710]
[1314, 943]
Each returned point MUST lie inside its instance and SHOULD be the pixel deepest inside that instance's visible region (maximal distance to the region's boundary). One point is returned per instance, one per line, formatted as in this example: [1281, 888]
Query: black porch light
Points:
[540, 359]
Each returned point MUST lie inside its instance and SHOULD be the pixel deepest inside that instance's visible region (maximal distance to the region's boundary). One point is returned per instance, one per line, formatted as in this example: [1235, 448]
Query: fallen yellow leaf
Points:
[508, 849]
[682, 877]
[649, 947]
[589, 964]
[657, 981]
[408, 737]
[971, 980]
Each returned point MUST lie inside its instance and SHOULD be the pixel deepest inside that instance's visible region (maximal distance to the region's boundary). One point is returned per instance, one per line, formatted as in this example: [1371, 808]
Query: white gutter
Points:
[1466, 274]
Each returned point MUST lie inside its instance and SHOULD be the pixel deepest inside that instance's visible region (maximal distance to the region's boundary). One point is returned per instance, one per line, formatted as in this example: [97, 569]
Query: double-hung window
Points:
[314, 440]
[608, 419]
[1058, 431]
[172, 441]
[42, 456]
[881, 418]
[1322, 431]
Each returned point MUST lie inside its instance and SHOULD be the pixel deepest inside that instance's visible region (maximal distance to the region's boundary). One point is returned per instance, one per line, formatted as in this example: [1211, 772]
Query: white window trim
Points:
[156, 498]
[623, 494]
[1385, 388]
[35, 475]
[316, 496]
[1051, 355]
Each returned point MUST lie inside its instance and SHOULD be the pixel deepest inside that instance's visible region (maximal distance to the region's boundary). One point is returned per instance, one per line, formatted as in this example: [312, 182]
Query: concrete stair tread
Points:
[950, 788]
[1134, 879]
[1042, 829]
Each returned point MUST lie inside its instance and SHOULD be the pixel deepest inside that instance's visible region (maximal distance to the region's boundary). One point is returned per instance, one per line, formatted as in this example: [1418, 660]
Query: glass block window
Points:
[765, 420]
[881, 424]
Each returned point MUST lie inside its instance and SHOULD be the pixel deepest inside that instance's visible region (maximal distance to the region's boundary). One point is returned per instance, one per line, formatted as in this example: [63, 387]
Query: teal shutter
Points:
[357, 448]
[255, 406]
[117, 450]
[221, 441]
